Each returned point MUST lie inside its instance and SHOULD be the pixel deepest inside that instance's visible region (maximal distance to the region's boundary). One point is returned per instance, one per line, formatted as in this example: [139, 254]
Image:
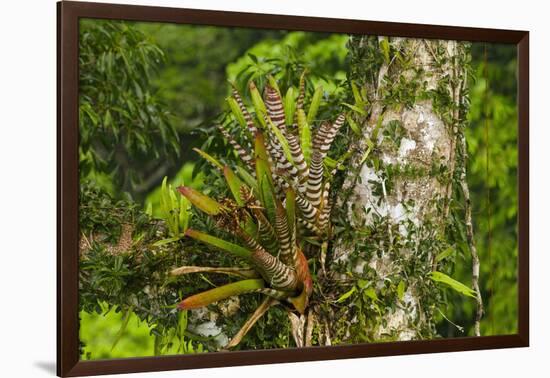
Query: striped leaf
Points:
[324, 209]
[286, 248]
[275, 273]
[266, 233]
[308, 213]
[244, 155]
[246, 115]
[302, 91]
[300, 164]
[285, 162]
[275, 110]
[321, 144]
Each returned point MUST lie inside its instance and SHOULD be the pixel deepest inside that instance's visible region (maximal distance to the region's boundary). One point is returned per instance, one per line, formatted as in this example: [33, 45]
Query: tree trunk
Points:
[399, 183]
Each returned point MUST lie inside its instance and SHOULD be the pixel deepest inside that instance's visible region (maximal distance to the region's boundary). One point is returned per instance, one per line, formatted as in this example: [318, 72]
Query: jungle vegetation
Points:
[193, 139]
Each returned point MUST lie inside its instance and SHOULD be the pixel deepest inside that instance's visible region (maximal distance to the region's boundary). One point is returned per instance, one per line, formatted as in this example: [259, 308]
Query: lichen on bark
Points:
[399, 184]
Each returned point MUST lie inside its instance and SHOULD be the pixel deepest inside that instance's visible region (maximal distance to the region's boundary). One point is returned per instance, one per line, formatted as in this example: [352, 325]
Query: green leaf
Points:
[401, 290]
[260, 151]
[361, 283]
[282, 141]
[247, 177]
[149, 209]
[353, 125]
[184, 213]
[330, 162]
[346, 295]
[370, 293]
[166, 241]
[108, 120]
[226, 246]
[385, 46]
[376, 129]
[126, 314]
[217, 294]
[443, 255]
[203, 202]
[356, 94]
[234, 184]
[356, 108]
[305, 135]
[266, 190]
[253, 57]
[209, 158]
[314, 106]
[258, 103]
[290, 106]
[273, 83]
[452, 283]
[236, 110]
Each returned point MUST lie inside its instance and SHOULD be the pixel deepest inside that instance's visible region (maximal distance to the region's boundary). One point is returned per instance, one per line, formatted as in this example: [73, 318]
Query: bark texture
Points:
[399, 185]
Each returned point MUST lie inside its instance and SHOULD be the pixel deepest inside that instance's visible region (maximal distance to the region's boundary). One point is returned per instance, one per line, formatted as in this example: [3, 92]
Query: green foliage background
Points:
[150, 92]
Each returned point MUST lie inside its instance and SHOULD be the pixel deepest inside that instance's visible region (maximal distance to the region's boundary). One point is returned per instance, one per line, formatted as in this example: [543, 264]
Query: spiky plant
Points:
[280, 202]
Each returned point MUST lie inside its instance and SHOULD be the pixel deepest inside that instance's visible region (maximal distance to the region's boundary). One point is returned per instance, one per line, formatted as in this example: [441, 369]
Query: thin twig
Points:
[262, 308]
[297, 326]
[470, 238]
[309, 327]
[239, 272]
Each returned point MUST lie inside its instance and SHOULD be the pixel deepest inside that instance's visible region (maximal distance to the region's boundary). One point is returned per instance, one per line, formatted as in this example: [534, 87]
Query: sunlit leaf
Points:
[203, 202]
[226, 246]
[452, 283]
[219, 293]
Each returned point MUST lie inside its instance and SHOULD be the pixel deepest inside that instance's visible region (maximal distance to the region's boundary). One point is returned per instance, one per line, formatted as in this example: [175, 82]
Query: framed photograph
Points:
[238, 188]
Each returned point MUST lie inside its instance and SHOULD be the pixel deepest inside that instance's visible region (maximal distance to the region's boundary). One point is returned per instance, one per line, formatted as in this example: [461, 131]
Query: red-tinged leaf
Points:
[301, 301]
[226, 246]
[260, 151]
[219, 293]
[203, 202]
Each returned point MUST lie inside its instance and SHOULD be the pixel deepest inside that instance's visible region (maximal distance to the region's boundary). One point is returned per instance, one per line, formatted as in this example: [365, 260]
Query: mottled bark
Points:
[399, 183]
